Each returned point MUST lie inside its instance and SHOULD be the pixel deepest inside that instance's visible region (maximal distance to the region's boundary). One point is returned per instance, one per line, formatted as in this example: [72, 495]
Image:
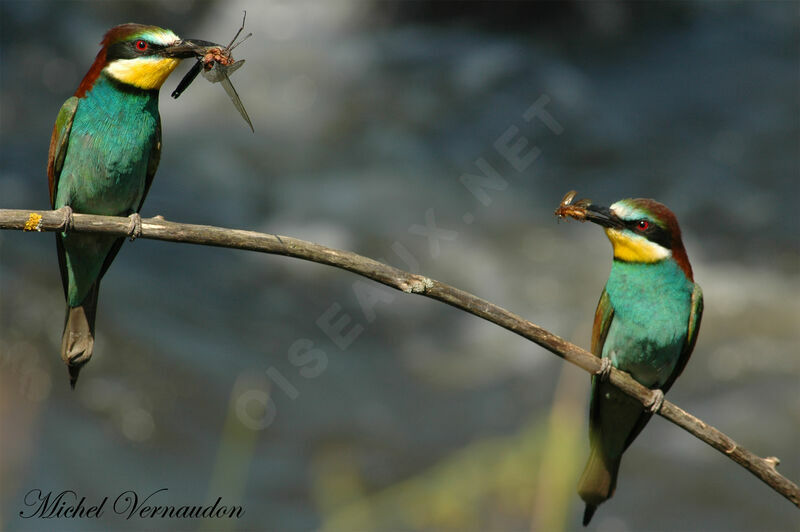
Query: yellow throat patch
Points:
[635, 248]
[146, 73]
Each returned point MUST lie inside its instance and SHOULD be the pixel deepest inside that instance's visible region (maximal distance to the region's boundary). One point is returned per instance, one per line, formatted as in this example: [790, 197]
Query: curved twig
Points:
[160, 229]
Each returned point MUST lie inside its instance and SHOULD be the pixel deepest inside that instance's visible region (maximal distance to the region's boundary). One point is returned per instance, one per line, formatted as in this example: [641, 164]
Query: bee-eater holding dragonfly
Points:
[646, 324]
[103, 155]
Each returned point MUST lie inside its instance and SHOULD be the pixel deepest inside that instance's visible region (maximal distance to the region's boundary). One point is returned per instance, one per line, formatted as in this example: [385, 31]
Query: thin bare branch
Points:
[160, 229]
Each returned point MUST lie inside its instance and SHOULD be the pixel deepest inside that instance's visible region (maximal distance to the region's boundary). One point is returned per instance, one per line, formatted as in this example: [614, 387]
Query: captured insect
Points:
[575, 210]
[216, 63]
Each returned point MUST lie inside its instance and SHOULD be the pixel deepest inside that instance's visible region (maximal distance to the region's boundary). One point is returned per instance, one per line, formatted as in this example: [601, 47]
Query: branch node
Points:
[772, 462]
[416, 285]
[732, 448]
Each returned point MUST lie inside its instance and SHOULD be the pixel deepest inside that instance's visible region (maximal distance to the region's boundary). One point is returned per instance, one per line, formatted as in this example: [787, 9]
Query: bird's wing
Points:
[58, 145]
[152, 164]
[602, 321]
[603, 317]
[695, 316]
[55, 162]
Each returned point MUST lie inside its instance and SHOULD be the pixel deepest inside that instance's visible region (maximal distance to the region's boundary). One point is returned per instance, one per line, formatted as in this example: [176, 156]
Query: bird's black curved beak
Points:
[603, 216]
[187, 48]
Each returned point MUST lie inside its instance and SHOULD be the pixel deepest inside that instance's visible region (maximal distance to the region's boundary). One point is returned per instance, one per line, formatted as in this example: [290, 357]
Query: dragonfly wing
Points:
[216, 72]
[235, 66]
[226, 84]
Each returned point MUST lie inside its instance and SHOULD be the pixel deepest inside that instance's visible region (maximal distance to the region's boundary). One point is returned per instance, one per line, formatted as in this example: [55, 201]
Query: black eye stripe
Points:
[654, 233]
[128, 49]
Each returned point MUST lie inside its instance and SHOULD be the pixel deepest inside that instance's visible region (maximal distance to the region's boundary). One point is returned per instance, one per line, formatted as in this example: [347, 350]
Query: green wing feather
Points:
[55, 162]
[695, 315]
[58, 145]
[152, 164]
[602, 321]
[603, 316]
[599, 476]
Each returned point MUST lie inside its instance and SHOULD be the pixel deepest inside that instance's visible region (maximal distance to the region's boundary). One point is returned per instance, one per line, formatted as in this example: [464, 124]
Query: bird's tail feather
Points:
[598, 482]
[588, 513]
[77, 342]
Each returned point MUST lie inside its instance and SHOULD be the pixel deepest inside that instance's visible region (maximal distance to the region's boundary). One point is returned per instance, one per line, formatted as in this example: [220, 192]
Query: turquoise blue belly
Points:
[651, 313]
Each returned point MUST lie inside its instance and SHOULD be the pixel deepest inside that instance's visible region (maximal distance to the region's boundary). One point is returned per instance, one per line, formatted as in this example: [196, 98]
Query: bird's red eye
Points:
[141, 45]
[643, 225]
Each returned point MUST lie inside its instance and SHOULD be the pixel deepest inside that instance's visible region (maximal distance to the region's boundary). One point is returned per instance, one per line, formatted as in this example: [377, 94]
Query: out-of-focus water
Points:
[425, 417]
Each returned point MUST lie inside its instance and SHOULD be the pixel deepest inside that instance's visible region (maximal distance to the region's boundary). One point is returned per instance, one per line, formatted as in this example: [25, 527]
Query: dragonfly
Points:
[216, 64]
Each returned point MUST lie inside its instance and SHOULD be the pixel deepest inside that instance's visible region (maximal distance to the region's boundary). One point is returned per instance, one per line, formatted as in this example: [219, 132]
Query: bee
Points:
[567, 209]
[216, 63]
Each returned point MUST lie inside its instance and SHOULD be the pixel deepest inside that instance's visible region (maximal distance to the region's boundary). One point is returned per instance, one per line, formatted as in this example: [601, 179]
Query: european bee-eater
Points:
[104, 152]
[646, 324]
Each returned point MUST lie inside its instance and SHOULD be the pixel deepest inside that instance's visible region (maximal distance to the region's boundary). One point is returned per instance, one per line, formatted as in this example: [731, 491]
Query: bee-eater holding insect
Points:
[646, 324]
[103, 154]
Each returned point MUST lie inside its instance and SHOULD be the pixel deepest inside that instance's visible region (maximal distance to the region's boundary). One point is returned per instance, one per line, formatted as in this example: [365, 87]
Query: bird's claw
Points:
[605, 369]
[655, 402]
[68, 224]
[134, 226]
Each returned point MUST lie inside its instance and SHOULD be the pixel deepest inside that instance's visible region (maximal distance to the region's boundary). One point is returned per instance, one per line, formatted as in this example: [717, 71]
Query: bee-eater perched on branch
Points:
[104, 152]
[646, 324]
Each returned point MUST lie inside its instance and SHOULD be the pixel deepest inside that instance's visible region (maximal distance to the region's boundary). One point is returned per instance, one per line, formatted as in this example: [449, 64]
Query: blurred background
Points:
[213, 373]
